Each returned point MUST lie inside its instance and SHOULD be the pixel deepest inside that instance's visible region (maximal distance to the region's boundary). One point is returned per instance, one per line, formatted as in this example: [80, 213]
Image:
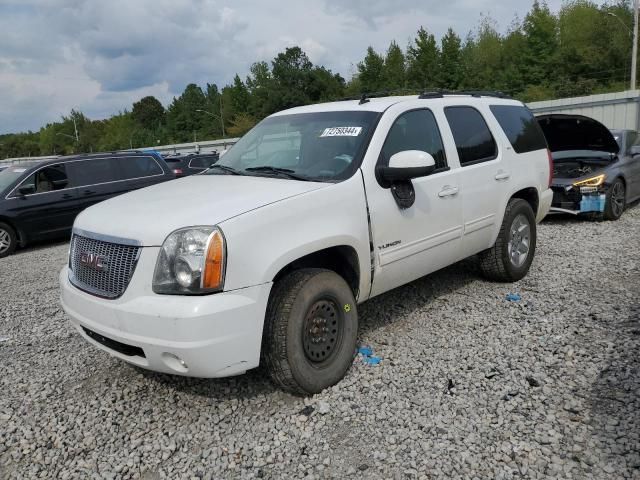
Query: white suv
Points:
[264, 257]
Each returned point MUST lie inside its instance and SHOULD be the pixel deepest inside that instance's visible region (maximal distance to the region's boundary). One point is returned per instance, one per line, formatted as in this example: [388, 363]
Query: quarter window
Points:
[473, 138]
[137, 167]
[415, 130]
[520, 126]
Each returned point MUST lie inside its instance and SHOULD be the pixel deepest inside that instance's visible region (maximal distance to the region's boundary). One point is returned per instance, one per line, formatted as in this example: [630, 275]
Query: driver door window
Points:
[47, 179]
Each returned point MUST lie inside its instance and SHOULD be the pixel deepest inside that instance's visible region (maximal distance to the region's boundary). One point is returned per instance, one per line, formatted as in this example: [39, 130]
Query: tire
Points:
[8, 240]
[302, 309]
[616, 201]
[497, 263]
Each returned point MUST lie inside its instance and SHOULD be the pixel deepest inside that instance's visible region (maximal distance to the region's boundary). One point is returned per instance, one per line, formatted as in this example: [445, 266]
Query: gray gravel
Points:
[469, 386]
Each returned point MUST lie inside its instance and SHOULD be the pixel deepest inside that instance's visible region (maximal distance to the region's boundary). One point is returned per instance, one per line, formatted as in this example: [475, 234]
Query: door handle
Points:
[88, 192]
[448, 191]
[502, 176]
[67, 196]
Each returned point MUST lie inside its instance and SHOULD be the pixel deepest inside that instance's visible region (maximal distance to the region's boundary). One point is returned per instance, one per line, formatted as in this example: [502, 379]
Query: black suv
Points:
[39, 200]
[183, 165]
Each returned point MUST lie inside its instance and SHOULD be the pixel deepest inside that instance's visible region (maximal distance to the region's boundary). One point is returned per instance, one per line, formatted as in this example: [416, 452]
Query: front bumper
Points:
[576, 200]
[198, 336]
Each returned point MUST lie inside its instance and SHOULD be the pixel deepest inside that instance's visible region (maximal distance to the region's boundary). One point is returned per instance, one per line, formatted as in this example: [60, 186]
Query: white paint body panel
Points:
[270, 222]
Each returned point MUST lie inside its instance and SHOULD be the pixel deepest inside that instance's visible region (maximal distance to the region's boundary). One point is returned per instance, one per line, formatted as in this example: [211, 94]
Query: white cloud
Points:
[100, 56]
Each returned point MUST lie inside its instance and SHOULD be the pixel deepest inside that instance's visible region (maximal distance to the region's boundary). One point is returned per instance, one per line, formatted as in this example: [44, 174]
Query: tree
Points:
[148, 113]
[540, 44]
[183, 119]
[423, 59]
[394, 71]
[371, 71]
[450, 68]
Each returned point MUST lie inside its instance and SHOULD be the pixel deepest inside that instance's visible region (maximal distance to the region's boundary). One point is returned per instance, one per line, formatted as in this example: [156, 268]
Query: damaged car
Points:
[591, 173]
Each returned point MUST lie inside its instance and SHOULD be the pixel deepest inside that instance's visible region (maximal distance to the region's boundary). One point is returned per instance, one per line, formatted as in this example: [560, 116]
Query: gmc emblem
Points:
[94, 261]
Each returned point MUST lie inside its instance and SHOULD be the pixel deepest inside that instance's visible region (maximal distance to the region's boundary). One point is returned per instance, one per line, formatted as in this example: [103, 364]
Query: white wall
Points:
[615, 110]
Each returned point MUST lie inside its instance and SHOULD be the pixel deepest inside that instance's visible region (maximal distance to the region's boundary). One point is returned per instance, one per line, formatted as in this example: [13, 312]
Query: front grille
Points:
[101, 268]
[123, 348]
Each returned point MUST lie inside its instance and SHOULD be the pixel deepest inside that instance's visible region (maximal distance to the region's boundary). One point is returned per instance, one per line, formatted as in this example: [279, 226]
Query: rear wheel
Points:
[8, 240]
[510, 257]
[310, 331]
[616, 201]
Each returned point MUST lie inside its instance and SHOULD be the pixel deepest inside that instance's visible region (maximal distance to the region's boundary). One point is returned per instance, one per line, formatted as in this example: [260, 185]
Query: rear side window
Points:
[473, 138]
[415, 130]
[202, 162]
[94, 171]
[137, 167]
[521, 128]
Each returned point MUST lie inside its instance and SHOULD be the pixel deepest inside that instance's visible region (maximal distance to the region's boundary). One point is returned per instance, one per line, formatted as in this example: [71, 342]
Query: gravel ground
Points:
[470, 385]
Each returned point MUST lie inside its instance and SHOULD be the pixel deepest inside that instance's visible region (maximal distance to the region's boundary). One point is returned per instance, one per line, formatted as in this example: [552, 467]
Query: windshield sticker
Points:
[341, 132]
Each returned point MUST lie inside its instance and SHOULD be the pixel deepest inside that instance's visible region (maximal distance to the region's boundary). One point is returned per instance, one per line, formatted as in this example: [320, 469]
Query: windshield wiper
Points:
[280, 171]
[224, 168]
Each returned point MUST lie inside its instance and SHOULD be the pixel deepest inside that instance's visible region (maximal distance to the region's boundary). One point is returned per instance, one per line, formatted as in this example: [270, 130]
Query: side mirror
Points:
[634, 150]
[27, 190]
[406, 165]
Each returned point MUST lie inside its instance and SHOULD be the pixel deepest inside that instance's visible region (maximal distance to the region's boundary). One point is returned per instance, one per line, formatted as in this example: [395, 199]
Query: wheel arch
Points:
[341, 259]
[22, 238]
[529, 195]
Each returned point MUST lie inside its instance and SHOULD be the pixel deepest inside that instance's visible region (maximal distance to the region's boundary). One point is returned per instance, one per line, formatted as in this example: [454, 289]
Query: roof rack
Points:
[472, 93]
[426, 94]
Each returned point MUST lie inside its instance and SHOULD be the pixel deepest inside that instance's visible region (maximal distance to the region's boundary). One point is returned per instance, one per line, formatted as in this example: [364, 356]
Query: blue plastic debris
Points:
[365, 351]
[513, 297]
[371, 360]
[367, 355]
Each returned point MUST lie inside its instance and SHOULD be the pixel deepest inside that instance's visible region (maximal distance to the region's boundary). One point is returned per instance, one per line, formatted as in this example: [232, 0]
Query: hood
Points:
[150, 214]
[575, 132]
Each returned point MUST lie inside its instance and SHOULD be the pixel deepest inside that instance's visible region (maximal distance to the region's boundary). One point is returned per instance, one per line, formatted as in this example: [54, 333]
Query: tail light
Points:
[550, 167]
[177, 171]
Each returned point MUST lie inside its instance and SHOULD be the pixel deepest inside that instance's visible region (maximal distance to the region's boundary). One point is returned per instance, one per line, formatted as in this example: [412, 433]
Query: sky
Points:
[99, 56]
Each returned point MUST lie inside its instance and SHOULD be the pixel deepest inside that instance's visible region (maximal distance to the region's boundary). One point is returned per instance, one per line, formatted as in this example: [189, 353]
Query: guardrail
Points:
[203, 147]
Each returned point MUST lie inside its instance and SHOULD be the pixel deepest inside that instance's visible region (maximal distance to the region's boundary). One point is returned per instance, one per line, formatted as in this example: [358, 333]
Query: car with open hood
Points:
[314, 211]
[593, 173]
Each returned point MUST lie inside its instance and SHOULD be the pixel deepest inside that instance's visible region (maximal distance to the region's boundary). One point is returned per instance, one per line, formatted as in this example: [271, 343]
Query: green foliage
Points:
[148, 113]
[585, 48]
[371, 71]
[423, 58]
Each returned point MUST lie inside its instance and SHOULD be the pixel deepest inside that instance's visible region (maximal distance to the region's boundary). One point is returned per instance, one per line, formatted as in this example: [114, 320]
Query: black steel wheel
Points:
[310, 331]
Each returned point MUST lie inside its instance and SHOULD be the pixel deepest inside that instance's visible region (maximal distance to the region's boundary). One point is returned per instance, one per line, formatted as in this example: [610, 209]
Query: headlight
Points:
[191, 262]
[591, 182]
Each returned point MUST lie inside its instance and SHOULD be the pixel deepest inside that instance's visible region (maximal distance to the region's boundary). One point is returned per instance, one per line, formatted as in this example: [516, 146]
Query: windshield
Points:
[324, 146]
[10, 175]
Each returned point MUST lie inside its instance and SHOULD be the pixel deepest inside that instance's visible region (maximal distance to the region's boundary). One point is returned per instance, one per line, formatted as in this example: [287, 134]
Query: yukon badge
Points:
[96, 262]
[389, 245]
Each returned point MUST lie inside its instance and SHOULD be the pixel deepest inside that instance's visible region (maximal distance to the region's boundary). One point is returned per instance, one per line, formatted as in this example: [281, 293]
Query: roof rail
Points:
[472, 93]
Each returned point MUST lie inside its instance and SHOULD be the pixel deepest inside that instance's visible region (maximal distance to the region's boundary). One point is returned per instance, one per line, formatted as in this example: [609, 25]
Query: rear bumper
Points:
[205, 336]
[546, 198]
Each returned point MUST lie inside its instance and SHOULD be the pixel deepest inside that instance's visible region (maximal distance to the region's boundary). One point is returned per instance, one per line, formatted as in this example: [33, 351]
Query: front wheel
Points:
[616, 201]
[510, 257]
[310, 331]
[8, 240]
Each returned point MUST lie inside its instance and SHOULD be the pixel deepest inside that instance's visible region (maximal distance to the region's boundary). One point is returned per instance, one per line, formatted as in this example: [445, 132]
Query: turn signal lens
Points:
[591, 182]
[213, 275]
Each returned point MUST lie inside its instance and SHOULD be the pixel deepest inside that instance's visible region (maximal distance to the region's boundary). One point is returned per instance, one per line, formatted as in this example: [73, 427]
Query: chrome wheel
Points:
[5, 241]
[617, 198]
[519, 240]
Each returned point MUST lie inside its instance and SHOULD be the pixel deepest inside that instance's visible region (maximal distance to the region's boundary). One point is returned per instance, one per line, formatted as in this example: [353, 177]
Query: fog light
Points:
[174, 362]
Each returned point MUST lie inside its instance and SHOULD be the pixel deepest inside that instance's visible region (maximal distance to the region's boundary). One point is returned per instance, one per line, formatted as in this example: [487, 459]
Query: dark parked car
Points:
[592, 174]
[184, 165]
[39, 200]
